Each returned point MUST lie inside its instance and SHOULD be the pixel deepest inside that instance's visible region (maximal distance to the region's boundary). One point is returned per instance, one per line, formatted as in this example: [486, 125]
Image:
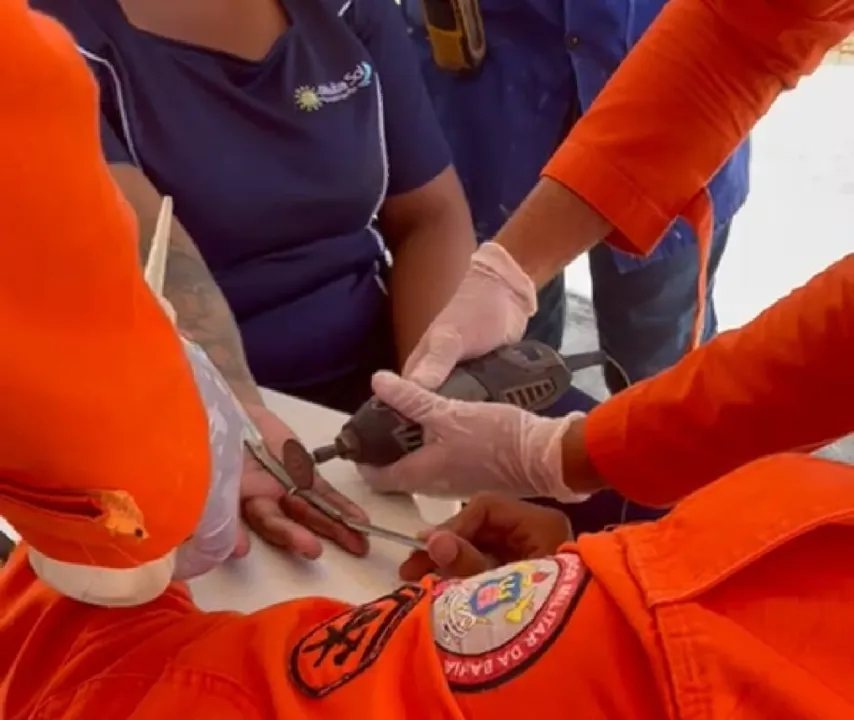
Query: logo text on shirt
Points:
[313, 97]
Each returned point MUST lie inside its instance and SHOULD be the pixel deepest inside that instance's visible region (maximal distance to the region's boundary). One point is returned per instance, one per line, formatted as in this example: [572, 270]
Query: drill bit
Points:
[325, 453]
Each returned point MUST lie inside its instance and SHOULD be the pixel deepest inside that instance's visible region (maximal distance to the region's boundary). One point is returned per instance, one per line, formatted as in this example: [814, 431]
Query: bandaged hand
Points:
[472, 447]
[217, 532]
[490, 309]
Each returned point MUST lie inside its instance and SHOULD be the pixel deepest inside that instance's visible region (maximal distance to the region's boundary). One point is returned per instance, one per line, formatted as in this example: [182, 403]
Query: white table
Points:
[267, 575]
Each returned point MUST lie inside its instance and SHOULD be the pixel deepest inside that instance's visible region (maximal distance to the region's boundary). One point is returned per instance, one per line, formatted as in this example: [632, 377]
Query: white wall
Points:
[799, 217]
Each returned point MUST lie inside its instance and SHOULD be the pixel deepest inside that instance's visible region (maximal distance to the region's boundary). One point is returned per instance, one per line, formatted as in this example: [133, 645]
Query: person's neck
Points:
[245, 28]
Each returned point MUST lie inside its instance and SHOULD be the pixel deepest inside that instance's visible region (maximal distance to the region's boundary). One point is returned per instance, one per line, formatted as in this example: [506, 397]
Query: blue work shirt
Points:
[546, 62]
[278, 168]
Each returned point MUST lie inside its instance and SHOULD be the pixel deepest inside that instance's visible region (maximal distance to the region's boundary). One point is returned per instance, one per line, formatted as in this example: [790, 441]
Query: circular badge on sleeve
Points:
[491, 627]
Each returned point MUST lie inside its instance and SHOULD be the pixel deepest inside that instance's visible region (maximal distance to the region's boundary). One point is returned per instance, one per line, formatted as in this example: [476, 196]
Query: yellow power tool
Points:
[455, 31]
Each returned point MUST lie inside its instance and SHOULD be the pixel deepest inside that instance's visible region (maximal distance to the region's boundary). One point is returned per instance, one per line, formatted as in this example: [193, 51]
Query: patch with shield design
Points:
[491, 627]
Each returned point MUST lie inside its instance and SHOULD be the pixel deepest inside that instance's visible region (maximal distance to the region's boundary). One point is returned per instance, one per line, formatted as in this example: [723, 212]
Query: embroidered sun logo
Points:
[307, 99]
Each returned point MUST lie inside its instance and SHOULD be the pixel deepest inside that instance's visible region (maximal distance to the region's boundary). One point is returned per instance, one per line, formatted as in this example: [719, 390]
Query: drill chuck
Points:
[325, 453]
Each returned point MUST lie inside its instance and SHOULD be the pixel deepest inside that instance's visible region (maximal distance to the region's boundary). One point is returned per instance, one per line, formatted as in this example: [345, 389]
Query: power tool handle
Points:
[529, 375]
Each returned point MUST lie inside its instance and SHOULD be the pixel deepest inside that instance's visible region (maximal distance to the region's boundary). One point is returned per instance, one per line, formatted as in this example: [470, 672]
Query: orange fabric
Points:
[103, 439]
[771, 386]
[692, 89]
[694, 86]
[705, 614]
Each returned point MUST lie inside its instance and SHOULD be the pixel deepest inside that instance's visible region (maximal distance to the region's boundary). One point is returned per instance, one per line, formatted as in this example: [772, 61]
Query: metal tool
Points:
[295, 472]
[529, 374]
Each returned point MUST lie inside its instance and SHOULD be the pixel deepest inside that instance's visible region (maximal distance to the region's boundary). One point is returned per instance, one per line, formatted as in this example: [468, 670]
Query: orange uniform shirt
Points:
[682, 101]
[744, 395]
[705, 614]
[686, 96]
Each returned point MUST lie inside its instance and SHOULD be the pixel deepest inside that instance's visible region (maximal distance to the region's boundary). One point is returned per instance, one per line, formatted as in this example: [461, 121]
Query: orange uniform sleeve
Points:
[682, 101]
[671, 619]
[779, 383]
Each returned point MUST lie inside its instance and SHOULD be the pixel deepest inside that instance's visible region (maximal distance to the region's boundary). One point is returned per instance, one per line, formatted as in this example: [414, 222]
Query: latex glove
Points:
[284, 520]
[490, 308]
[217, 533]
[472, 447]
[490, 531]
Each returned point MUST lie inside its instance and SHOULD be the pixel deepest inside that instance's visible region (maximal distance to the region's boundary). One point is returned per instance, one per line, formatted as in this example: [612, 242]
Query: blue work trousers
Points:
[645, 318]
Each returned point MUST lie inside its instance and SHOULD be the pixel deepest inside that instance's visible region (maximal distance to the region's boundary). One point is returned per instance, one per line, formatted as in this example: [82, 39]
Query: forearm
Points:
[202, 310]
[694, 86]
[551, 228]
[204, 315]
[431, 237]
[428, 266]
[776, 384]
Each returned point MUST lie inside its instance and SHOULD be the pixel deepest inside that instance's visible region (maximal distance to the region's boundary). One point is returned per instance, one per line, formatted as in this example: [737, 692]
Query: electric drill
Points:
[529, 374]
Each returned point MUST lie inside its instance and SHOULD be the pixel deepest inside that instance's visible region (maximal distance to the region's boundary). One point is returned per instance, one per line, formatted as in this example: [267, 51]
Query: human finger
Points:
[433, 359]
[448, 555]
[406, 397]
[302, 511]
[242, 546]
[418, 472]
[267, 519]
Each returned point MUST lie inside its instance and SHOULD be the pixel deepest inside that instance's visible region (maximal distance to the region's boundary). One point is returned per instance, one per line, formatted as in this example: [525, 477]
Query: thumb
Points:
[406, 397]
[455, 557]
[242, 546]
[430, 366]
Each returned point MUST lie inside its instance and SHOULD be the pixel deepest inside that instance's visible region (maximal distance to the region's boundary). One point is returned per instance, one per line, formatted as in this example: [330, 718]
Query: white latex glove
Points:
[491, 308]
[472, 447]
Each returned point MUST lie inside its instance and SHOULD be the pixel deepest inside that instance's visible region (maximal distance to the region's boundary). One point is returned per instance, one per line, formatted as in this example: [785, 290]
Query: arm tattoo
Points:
[204, 315]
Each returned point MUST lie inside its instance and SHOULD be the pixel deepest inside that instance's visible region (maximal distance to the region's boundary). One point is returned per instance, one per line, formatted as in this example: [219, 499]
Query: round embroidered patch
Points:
[491, 627]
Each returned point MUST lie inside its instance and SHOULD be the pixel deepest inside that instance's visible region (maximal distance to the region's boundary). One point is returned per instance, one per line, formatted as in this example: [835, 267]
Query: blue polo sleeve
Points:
[415, 145]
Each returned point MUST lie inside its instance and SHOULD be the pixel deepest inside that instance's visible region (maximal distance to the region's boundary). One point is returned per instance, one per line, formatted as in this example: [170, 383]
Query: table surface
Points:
[267, 575]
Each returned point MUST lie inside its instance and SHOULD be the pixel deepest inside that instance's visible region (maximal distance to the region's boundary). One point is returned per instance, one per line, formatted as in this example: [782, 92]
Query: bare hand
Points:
[284, 520]
[490, 531]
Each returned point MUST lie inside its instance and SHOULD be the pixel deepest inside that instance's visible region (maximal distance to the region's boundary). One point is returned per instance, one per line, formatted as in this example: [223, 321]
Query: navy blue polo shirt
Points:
[278, 168]
[546, 62]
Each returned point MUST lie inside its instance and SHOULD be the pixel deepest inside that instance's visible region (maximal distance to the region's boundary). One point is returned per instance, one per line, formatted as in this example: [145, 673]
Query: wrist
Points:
[551, 228]
[578, 473]
[248, 393]
[494, 260]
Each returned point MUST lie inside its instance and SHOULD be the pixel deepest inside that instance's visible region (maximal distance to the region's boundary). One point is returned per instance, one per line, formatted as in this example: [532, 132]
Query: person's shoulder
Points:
[364, 15]
[86, 21]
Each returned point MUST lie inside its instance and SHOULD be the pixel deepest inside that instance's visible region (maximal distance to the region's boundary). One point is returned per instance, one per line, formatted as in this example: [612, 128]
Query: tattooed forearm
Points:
[203, 312]
[204, 315]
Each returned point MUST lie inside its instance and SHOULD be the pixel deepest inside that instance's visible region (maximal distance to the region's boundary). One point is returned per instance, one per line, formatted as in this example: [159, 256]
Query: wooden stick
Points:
[155, 266]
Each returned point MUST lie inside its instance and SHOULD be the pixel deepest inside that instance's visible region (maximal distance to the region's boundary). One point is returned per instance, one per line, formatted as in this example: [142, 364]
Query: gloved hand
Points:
[491, 308]
[490, 531]
[472, 447]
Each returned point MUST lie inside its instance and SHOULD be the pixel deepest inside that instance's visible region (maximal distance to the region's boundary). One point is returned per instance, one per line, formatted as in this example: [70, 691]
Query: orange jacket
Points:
[92, 367]
[686, 96]
[744, 395]
[708, 613]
